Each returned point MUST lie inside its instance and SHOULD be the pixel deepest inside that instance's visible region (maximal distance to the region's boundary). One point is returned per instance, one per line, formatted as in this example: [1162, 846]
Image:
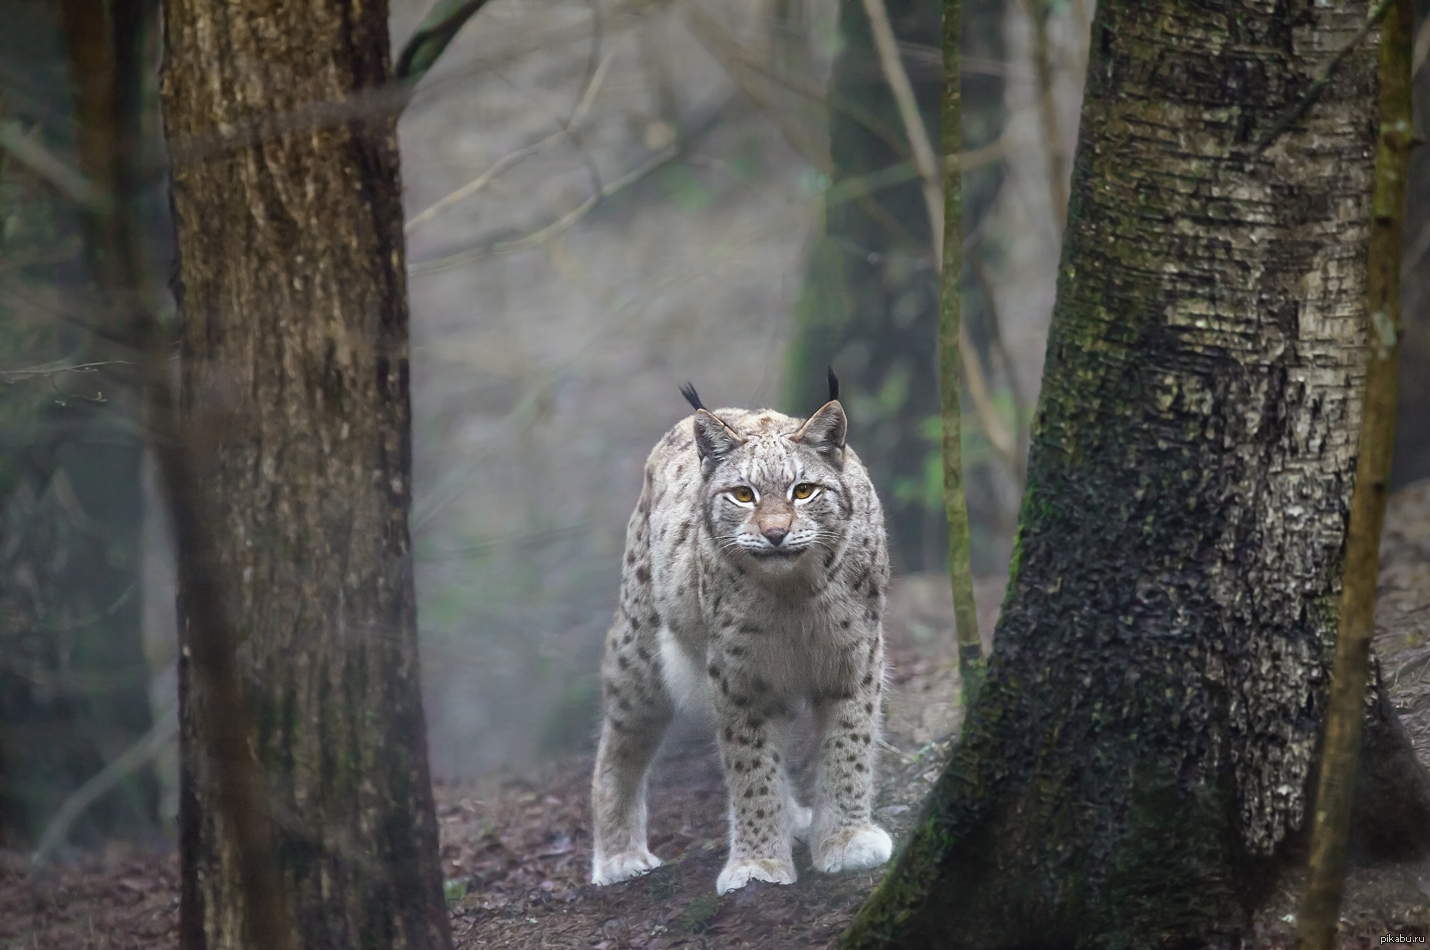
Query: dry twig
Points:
[1038, 13]
[928, 169]
[565, 132]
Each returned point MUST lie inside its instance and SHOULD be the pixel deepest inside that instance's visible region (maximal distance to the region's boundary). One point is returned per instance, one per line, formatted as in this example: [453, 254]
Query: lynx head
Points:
[774, 487]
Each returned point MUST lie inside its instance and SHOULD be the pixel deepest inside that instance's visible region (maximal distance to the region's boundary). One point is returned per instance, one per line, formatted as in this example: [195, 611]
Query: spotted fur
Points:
[742, 600]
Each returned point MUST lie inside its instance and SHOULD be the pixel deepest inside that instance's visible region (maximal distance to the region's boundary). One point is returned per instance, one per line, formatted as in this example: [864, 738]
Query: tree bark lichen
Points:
[1141, 749]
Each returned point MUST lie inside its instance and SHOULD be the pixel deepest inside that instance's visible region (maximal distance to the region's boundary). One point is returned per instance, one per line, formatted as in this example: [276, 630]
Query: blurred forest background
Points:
[604, 199]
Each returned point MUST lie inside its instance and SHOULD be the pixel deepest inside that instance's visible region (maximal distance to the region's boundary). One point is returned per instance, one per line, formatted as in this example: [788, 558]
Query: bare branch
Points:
[566, 131]
[32, 153]
[995, 328]
[546, 232]
[898, 79]
[1323, 79]
[1038, 12]
[1319, 915]
[1422, 47]
[135, 757]
[437, 29]
[46, 370]
[1004, 444]
[742, 68]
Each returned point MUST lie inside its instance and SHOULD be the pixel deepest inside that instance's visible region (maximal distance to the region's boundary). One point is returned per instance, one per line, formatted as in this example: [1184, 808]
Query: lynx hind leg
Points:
[637, 711]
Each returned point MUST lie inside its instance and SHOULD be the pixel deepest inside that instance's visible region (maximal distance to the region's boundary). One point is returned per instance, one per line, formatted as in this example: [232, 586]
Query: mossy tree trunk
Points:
[1136, 767]
[294, 360]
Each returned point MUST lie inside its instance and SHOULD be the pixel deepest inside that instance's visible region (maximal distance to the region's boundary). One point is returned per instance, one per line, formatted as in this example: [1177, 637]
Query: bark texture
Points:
[1141, 749]
[295, 362]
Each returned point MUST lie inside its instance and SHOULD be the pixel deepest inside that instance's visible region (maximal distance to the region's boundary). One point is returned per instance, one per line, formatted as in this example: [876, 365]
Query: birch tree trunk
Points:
[1136, 768]
[294, 360]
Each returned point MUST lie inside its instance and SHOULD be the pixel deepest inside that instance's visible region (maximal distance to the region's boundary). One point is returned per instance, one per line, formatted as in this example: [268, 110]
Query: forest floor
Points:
[516, 849]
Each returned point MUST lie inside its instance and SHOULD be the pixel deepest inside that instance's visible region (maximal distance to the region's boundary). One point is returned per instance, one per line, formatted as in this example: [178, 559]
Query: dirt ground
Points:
[516, 848]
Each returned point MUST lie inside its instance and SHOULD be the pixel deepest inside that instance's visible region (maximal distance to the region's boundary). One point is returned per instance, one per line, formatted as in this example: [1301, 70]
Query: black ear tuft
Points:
[833, 385]
[691, 396]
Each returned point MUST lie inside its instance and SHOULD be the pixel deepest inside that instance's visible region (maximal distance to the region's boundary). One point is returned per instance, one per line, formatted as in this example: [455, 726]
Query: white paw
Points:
[623, 866]
[803, 822]
[854, 849]
[739, 873]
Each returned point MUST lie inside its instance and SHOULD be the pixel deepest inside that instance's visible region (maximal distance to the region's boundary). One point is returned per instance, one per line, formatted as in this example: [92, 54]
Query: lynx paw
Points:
[739, 873]
[623, 866]
[802, 823]
[854, 849]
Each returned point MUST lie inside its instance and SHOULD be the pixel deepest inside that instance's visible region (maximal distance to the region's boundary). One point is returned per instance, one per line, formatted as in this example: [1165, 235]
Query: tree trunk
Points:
[1139, 757]
[1412, 417]
[294, 358]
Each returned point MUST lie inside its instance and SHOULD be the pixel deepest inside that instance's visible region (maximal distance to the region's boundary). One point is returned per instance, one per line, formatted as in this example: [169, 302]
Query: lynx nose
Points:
[775, 534]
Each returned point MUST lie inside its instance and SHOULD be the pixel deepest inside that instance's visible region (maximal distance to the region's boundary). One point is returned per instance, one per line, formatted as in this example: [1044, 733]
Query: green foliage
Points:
[700, 913]
[664, 882]
[455, 888]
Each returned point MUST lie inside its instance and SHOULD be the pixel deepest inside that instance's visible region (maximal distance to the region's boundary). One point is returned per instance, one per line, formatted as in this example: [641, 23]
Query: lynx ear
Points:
[825, 430]
[713, 438]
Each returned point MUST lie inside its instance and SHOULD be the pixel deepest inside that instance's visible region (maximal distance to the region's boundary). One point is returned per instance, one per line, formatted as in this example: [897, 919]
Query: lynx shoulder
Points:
[753, 585]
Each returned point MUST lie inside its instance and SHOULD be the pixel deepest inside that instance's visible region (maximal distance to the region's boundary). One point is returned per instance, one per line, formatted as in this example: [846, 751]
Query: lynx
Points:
[753, 584]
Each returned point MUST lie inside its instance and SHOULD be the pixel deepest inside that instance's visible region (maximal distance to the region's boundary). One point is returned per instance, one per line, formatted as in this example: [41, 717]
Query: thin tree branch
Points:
[1004, 443]
[1005, 359]
[1038, 12]
[733, 55]
[1323, 79]
[438, 28]
[1422, 47]
[47, 370]
[548, 231]
[1345, 714]
[953, 351]
[32, 153]
[898, 79]
[564, 223]
[565, 132]
[742, 68]
[138, 755]
[928, 168]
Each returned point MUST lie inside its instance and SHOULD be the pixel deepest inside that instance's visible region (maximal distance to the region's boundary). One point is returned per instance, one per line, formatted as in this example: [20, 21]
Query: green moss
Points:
[1170, 881]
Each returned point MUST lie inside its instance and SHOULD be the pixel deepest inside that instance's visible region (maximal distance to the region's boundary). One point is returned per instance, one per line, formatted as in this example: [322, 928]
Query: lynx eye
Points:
[804, 489]
[742, 494]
